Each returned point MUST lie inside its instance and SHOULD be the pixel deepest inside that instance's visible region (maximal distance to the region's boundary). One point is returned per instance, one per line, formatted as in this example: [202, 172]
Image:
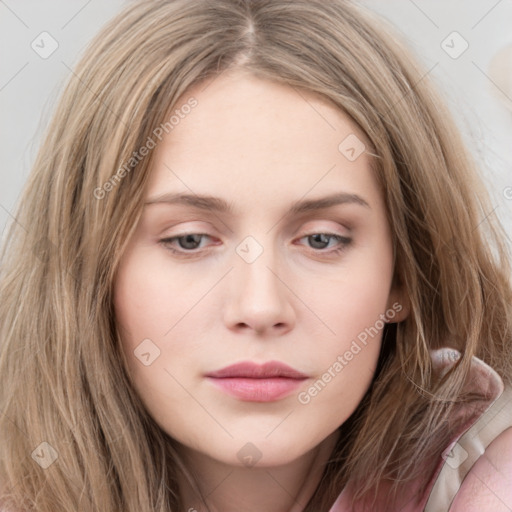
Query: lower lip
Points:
[258, 390]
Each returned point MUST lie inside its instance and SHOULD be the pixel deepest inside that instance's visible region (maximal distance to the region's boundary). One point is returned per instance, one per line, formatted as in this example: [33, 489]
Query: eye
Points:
[319, 242]
[189, 243]
[186, 242]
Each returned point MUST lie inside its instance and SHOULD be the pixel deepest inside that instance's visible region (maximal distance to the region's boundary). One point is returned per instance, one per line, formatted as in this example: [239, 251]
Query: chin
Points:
[261, 453]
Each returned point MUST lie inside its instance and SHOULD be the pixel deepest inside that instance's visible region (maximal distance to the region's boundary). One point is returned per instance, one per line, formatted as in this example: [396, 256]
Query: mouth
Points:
[251, 382]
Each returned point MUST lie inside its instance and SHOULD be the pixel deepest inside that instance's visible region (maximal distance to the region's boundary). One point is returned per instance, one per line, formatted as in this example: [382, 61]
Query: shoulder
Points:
[488, 484]
[476, 475]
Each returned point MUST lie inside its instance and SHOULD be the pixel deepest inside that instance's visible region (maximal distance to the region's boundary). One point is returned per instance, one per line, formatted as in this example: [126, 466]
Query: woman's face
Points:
[288, 259]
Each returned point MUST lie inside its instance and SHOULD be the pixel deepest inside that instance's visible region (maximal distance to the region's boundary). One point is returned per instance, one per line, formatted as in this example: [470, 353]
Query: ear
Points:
[398, 305]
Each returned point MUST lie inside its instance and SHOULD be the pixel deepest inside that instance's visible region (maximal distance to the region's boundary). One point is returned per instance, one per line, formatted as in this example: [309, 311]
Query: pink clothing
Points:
[466, 479]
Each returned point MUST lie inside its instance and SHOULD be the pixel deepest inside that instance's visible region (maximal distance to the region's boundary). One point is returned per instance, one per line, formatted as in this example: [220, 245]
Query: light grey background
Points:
[30, 84]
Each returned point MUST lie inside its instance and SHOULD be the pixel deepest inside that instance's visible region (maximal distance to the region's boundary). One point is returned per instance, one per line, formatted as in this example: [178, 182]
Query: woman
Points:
[261, 369]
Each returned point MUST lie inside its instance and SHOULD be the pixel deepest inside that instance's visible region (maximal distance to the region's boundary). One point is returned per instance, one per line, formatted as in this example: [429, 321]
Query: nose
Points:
[259, 297]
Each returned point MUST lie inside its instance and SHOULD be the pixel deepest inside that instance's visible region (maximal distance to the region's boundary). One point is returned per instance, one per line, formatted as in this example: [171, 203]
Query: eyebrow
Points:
[217, 204]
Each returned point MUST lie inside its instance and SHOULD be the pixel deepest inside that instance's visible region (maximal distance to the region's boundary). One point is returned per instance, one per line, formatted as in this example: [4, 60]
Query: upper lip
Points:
[252, 370]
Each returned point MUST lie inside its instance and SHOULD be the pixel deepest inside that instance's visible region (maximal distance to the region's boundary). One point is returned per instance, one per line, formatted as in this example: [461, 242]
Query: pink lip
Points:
[258, 383]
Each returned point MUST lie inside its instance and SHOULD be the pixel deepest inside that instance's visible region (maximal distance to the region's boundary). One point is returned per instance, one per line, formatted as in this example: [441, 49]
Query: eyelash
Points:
[344, 241]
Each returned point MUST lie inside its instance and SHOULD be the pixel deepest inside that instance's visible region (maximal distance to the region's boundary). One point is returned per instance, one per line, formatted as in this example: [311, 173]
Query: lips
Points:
[254, 371]
[251, 382]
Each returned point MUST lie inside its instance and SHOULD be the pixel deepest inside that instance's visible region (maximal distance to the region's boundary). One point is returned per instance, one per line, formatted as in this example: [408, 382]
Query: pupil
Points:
[193, 239]
[318, 238]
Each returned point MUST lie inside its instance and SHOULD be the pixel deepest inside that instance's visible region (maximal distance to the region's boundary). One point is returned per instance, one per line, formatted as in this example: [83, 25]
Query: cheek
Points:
[356, 321]
[353, 300]
[146, 308]
[347, 360]
[352, 307]
[149, 300]
[159, 310]
[149, 309]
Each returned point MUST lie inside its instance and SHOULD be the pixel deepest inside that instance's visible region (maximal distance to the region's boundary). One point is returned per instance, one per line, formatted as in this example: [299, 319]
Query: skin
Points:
[260, 146]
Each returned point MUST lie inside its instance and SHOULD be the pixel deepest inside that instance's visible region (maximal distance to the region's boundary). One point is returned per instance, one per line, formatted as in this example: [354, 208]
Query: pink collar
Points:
[485, 384]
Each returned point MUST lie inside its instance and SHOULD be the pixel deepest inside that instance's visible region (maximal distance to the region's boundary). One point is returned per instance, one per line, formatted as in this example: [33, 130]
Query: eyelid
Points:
[333, 227]
[343, 244]
[340, 229]
[322, 228]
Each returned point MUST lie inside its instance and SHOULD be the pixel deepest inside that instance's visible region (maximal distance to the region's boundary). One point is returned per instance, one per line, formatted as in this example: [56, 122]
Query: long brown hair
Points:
[62, 378]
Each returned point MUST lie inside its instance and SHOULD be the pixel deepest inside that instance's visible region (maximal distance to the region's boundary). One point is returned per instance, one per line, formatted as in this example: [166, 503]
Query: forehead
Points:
[250, 134]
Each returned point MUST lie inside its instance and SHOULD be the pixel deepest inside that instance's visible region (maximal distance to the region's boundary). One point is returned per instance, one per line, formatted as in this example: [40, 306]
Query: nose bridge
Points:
[256, 265]
[258, 297]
